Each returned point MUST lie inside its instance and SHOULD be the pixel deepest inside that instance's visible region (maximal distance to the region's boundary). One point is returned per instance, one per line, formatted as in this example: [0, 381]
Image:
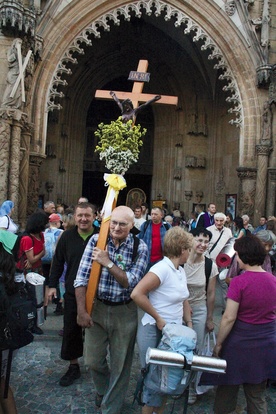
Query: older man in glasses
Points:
[113, 321]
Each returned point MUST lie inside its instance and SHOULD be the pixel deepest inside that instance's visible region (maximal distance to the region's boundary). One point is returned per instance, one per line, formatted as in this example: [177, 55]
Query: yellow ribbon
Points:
[115, 183]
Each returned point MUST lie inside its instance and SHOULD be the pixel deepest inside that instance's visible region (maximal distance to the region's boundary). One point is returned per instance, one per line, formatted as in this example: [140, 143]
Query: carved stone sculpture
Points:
[266, 123]
[230, 7]
[13, 73]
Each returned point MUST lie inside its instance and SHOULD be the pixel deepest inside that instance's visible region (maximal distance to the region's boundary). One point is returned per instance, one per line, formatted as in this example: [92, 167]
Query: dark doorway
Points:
[139, 174]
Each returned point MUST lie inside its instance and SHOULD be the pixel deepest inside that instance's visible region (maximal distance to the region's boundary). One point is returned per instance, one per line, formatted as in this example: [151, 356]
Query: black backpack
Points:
[208, 269]
[17, 318]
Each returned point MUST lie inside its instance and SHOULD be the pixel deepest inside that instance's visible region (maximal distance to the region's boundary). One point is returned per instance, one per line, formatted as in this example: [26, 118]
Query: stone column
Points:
[263, 151]
[5, 137]
[271, 193]
[12, 122]
[33, 183]
[13, 182]
[247, 190]
[24, 176]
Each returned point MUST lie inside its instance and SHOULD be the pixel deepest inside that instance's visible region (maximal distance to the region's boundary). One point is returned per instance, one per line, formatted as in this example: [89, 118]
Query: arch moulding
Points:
[205, 23]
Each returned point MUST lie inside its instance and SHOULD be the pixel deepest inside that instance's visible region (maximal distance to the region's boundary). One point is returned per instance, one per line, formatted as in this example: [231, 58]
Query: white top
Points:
[168, 298]
[196, 280]
[138, 222]
[226, 235]
[8, 224]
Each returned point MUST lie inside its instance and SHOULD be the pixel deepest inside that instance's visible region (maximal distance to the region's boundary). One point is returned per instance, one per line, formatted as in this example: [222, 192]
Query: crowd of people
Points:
[166, 265]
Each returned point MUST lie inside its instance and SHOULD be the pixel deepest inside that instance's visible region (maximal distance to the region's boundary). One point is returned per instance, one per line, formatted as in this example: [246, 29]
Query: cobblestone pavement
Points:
[37, 369]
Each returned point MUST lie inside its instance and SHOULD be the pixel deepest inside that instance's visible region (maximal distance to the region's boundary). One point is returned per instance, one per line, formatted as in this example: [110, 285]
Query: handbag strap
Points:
[214, 245]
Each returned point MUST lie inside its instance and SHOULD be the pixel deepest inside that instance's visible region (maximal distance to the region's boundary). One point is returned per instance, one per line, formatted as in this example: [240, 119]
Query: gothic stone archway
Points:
[227, 60]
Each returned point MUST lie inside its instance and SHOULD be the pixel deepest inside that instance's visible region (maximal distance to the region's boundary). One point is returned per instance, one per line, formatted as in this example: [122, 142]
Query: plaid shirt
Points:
[109, 289]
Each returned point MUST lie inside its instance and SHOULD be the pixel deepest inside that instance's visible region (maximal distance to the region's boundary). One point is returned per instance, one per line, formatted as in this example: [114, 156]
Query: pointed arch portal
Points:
[196, 53]
[138, 9]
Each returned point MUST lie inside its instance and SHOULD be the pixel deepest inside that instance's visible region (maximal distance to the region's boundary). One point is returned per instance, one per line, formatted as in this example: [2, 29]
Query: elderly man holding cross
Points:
[113, 322]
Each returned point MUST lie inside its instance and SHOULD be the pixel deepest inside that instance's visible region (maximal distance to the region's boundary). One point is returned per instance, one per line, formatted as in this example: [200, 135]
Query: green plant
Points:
[119, 144]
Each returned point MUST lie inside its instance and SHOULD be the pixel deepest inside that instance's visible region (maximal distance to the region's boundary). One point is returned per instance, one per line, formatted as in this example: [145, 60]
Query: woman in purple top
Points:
[247, 333]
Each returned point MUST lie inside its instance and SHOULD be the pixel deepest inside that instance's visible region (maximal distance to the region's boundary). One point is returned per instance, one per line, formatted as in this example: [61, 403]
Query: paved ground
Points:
[37, 369]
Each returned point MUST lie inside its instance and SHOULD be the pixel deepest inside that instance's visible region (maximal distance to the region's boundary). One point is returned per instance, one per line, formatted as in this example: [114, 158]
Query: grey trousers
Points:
[108, 352]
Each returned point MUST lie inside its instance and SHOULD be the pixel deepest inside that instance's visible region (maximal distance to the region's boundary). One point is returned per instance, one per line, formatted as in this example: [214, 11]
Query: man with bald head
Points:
[113, 322]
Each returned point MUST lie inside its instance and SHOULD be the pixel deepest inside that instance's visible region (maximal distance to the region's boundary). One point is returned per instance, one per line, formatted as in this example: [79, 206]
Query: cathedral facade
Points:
[216, 144]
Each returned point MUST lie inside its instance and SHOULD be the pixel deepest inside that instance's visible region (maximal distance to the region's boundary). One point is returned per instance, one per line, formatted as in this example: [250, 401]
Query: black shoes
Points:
[37, 331]
[59, 309]
[71, 375]
[98, 400]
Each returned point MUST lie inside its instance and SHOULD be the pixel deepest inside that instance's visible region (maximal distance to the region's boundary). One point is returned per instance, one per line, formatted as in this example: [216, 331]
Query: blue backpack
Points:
[170, 379]
[50, 237]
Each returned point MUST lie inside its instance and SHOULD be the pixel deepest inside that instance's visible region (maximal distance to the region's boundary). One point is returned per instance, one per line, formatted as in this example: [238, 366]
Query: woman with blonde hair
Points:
[162, 294]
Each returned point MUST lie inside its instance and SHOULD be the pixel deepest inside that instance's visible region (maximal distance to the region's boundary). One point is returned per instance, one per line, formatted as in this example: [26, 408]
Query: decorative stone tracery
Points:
[15, 17]
[147, 7]
[12, 123]
[247, 190]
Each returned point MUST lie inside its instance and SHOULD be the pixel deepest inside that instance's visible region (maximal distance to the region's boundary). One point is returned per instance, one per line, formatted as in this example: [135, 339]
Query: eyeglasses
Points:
[117, 223]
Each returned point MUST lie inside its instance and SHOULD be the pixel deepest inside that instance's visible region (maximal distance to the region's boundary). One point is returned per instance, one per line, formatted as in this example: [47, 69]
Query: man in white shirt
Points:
[138, 219]
[220, 236]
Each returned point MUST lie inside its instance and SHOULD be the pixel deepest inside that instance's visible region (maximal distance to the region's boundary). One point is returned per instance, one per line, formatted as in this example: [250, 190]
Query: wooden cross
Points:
[22, 68]
[135, 96]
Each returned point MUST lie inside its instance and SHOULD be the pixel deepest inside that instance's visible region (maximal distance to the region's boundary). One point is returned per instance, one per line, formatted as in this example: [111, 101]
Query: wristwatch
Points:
[110, 265]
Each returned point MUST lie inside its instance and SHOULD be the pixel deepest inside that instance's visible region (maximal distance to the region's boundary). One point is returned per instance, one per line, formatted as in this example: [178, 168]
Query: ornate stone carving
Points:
[177, 173]
[230, 7]
[201, 162]
[5, 136]
[263, 24]
[266, 133]
[33, 193]
[14, 94]
[190, 161]
[246, 202]
[137, 8]
[15, 165]
[272, 174]
[23, 177]
[199, 196]
[247, 173]
[272, 86]
[264, 75]
[220, 185]
[16, 19]
[195, 162]
[263, 149]
[188, 195]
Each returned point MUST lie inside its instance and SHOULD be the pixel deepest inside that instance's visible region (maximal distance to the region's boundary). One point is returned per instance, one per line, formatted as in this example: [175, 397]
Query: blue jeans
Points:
[148, 336]
[114, 332]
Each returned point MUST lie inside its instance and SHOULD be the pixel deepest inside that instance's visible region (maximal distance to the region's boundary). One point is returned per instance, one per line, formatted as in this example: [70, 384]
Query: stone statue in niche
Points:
[230, 7]
[266, 123]
[13, 73]
[190, 161]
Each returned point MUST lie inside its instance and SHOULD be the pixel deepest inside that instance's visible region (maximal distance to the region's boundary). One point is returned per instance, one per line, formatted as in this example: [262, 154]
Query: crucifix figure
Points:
[130, 100]
[126, 106]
